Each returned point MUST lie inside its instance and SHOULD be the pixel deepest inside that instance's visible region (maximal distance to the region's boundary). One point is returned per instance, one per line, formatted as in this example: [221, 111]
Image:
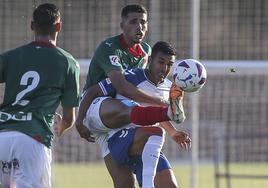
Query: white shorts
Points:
[93, 120]
[94, 124]
[24, 162]
[102, 141]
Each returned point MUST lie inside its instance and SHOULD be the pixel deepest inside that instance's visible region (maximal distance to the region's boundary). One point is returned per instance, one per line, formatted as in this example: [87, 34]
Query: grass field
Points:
[94, 175]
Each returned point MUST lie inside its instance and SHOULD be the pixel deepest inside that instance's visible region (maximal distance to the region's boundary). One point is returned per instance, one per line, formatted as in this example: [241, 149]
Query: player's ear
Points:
[32, 25]
[121, 25]
[149, 59]
[58, 26]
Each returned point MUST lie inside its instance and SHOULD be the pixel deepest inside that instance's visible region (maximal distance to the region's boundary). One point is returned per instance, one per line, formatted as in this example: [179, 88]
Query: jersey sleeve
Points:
[107, 58]
[134, 76]
[71, 90]
[107, 87]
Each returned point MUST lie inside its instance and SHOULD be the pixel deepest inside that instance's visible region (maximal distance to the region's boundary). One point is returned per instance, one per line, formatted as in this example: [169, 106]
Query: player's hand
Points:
[60, 126]
[84, 132]
[57, 127]
[175, 92]
[182, 139]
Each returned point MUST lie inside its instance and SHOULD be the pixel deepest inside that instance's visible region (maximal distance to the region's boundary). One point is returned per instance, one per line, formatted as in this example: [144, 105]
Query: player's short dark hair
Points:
[45, 16]
[133, 8]
[165, 47]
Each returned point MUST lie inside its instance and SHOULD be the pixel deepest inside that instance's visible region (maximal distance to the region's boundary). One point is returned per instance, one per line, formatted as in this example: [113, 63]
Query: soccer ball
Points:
[190, 75]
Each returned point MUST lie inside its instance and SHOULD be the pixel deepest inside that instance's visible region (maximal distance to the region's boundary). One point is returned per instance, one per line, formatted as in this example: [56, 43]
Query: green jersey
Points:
[113, 54]
[38, 77]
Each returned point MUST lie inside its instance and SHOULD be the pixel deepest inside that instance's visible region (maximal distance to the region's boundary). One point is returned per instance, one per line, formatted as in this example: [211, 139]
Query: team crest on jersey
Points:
[114, 59]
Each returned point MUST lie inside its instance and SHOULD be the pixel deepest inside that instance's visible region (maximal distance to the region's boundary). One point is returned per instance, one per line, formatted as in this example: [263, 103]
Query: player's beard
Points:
[138, 38]
[160, 77]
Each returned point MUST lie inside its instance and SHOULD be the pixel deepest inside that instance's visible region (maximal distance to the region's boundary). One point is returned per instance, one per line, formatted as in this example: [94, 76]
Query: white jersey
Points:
[139, 79]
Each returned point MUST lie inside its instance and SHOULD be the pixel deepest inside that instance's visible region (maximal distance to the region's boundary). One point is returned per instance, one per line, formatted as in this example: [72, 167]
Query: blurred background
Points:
[227, 119]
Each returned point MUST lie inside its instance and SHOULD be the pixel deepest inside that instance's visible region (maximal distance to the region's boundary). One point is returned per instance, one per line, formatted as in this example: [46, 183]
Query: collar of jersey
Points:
[43, 44]
[135, 52]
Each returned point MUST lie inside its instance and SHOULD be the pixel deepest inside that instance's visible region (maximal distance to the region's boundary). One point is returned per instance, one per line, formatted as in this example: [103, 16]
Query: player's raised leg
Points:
[116, 113]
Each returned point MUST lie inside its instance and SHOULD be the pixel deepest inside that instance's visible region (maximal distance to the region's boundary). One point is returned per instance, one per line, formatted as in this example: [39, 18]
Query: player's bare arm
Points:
[65, 122]
[127, 89]
[90, 94]
[180, 137]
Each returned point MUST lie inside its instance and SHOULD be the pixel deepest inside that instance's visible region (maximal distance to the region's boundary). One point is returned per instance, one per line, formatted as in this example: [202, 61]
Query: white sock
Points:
[150, 157]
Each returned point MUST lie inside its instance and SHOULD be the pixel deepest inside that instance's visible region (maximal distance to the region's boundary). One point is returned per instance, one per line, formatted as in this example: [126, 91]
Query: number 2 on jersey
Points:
[30, 86]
